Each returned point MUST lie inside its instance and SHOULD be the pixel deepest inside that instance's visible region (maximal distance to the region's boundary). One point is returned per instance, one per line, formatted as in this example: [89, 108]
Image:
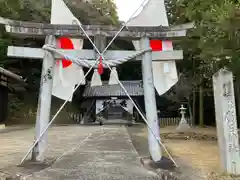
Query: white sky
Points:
[126, 8]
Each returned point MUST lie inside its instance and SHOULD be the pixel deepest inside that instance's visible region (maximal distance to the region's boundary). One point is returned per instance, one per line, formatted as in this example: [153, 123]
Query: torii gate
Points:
[20, 29]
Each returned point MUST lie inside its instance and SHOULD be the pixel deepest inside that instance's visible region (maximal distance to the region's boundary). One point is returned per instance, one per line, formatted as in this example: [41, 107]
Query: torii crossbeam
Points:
[23, 29]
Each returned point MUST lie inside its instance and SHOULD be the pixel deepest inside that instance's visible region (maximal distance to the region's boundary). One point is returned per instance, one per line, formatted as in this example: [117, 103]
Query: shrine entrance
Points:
[110, 102]
[115, 110]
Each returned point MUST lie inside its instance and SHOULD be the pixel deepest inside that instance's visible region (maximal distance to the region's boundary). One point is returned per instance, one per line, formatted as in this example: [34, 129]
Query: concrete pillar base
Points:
[164, 163]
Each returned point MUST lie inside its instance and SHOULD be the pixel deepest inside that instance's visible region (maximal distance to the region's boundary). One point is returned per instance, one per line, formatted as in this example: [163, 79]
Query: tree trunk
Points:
[194, 108]
[201, 108]
[190, 113]
[194, 95]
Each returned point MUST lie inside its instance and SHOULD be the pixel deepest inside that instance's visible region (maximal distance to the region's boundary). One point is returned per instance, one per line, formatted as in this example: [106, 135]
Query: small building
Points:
[110, 101]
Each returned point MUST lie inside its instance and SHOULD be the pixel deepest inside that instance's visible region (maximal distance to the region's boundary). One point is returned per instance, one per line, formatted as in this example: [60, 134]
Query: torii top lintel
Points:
[32, 29]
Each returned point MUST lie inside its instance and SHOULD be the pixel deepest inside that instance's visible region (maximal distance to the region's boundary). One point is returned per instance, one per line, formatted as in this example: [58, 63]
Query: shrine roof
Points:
[134, 88]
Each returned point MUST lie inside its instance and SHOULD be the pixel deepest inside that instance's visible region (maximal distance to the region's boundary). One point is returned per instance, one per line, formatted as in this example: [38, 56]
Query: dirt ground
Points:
[198, 149]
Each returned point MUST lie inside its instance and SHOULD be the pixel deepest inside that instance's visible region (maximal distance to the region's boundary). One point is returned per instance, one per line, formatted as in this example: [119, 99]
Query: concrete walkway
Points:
[90, 153]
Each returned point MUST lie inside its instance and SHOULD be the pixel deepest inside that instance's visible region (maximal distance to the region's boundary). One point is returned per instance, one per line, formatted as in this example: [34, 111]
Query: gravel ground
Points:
[139, 139]
[196, 155]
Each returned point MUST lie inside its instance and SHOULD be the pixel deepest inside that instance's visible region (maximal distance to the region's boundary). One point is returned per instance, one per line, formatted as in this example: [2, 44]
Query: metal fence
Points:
[163, 122]
[172, 121]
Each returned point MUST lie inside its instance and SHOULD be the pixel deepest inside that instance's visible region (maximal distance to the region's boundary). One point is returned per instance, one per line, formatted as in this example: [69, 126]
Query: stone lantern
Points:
[183, 125]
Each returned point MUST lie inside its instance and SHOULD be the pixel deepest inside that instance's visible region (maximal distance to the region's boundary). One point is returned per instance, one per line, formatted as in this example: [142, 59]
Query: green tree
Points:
[213, 43]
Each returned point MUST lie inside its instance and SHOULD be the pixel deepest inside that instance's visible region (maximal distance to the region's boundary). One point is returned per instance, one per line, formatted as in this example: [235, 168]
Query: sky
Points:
[126, 8]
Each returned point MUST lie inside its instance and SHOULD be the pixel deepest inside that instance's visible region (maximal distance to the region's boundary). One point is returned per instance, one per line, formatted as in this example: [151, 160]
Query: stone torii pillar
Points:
[44, 101]
[150, 102]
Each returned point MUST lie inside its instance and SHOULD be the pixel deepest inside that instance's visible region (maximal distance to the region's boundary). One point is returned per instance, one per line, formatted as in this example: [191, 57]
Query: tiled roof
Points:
[134, 88]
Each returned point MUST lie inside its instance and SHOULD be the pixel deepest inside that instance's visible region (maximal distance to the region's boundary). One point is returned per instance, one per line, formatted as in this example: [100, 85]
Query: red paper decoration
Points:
[100, 66]
[156, 45]
[65, 43]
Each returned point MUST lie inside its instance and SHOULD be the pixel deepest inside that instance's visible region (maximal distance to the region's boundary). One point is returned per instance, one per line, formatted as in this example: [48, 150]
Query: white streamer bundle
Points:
[113, 76]
[96, 79]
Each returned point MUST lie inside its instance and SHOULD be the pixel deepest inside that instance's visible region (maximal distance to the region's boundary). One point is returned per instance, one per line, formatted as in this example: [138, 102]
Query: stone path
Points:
[81, 153]
[105, 154]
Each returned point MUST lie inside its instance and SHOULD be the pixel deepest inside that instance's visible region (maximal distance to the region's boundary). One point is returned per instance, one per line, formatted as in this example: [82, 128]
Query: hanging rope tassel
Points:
[113, 76]
[100, 66]
[96, 78]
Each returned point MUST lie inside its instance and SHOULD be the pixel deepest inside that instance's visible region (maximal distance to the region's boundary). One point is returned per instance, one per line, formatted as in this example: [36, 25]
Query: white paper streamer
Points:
[113, 75]
[96, 79]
